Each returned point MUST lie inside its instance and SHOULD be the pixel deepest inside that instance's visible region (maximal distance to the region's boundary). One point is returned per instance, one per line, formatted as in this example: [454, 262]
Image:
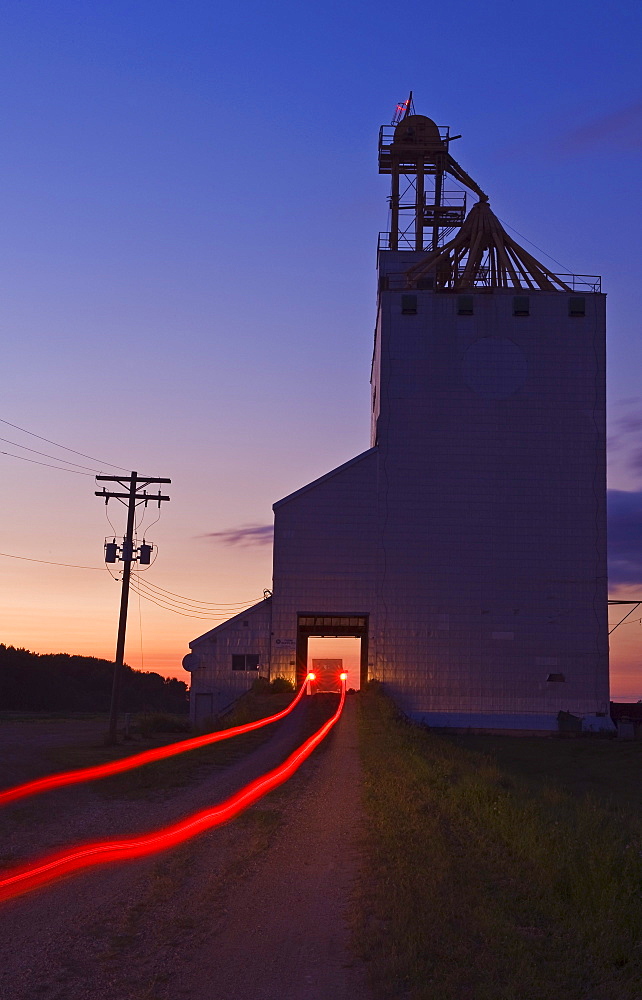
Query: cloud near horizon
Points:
[621, 130]
[625, 437]
[246, 534]
[625, 537]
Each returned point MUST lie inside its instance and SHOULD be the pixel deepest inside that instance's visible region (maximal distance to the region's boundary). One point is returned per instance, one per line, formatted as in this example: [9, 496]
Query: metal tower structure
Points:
[415, 152]
[483, 255]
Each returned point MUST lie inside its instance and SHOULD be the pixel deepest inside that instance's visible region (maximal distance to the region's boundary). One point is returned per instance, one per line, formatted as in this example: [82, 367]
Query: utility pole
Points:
[131, 499]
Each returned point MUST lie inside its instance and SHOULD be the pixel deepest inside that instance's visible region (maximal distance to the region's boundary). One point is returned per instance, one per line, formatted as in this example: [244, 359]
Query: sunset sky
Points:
[190, 206]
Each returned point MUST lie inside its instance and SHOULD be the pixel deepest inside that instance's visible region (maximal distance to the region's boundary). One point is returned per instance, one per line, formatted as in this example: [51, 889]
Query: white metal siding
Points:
[474, 533]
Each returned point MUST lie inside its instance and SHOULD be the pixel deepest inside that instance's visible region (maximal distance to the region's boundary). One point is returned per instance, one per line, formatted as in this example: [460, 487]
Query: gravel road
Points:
[255, 909]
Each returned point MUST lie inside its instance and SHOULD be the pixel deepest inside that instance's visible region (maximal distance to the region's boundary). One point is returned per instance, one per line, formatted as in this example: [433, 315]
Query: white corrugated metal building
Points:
[467, 546]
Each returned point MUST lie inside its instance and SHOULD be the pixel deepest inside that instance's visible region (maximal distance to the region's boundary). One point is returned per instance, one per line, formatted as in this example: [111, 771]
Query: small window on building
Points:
[521, 305]
[464, 305]
[245, 661]
[409, 305]
[577, 306]
[556, 677]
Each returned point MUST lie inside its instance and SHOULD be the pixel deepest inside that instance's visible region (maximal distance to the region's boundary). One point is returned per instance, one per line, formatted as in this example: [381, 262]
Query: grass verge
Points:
[488, 880]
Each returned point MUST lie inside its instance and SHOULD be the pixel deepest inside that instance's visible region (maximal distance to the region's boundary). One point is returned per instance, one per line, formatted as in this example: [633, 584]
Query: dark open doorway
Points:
[331, 625]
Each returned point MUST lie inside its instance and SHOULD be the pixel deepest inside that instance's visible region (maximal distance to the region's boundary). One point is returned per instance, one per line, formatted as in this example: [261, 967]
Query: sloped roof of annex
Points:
[230, 621]
[328, 475]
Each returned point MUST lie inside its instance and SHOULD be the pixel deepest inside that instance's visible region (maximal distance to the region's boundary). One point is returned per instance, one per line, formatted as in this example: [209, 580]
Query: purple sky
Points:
[190, 205]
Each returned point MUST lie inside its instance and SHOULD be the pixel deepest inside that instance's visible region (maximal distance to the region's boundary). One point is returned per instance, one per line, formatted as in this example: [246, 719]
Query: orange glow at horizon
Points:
[54, 609]
[49, 609]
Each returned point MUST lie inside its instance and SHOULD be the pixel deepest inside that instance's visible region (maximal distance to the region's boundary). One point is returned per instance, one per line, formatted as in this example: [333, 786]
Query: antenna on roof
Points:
[403, 110]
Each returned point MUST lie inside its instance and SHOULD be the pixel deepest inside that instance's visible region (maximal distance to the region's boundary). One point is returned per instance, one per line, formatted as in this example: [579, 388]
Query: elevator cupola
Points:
[423, 212]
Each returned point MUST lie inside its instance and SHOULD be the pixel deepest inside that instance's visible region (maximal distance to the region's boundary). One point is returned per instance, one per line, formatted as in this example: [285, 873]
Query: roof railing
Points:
[398, 281]
[387, 135]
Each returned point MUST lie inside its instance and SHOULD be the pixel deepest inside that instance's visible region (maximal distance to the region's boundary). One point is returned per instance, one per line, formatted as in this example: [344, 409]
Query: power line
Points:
[622, 620]
[33, 461]
[48, 562]
[109, 520]
[185, 614]
[230, 610]
[195, 605]
[190, 600]
[141, 525]
[188, 609]
[92, 458]
[568, 270]
[171, 604]
[202, 613]
[140, 632]
[44, 454]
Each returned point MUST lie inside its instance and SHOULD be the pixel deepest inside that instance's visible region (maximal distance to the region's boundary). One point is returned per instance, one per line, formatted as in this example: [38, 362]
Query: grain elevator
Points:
[466, 547]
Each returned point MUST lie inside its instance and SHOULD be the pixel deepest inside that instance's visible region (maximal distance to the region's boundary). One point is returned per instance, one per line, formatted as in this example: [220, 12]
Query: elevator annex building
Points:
[466, 547]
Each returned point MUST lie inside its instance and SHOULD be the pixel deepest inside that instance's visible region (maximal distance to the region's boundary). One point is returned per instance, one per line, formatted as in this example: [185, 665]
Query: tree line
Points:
[58, 682]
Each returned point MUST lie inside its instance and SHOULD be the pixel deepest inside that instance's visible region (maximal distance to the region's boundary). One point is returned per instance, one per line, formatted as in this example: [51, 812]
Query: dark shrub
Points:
[162, 722]
[281, 685]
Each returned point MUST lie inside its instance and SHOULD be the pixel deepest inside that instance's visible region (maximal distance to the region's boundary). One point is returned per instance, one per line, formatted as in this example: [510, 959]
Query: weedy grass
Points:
[161, 777]
[491, 874]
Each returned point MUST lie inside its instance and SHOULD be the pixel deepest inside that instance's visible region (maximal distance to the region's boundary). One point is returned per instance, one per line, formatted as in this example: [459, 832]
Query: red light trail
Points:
[139, 759]
[55, 866]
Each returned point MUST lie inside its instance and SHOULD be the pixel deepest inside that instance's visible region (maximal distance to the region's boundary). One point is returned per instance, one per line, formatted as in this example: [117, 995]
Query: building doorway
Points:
[329, 656]
[332, 637]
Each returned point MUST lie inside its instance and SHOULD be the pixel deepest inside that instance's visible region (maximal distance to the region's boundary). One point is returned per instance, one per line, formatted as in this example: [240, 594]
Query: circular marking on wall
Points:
[494, 367]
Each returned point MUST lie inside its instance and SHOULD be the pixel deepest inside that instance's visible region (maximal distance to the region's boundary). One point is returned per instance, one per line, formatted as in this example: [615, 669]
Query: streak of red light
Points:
[82, 774]
[55, 866]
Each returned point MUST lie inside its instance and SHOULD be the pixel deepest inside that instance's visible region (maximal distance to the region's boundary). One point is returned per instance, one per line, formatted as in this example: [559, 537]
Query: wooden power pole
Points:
[132, 498]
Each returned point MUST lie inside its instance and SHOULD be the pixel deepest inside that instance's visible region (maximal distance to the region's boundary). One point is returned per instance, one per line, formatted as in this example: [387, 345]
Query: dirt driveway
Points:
[254, 910]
